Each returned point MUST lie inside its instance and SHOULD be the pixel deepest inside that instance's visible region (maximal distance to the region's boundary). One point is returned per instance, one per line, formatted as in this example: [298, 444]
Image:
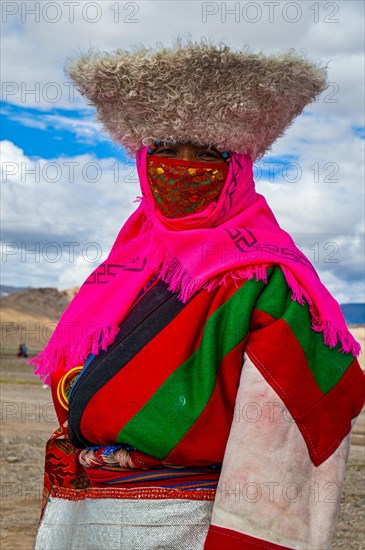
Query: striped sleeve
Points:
[284, 463]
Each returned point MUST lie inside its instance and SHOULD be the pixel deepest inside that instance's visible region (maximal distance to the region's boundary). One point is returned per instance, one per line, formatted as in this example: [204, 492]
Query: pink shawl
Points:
[237, 236]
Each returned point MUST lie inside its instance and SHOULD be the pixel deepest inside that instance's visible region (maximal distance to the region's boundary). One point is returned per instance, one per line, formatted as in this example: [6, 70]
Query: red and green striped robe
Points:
[235, 378]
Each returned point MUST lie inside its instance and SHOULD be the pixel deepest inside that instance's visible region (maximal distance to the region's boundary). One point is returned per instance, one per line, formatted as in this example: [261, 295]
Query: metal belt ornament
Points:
[65, 384]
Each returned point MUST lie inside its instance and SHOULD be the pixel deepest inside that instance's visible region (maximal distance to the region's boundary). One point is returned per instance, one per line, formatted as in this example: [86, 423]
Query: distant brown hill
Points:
[30, 315]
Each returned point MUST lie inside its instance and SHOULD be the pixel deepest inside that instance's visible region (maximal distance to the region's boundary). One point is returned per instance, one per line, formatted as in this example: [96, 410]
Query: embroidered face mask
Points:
[182, 187]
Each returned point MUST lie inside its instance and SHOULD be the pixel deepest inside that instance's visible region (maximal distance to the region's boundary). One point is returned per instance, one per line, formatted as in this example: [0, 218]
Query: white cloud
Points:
[82, 201]
[35, 51]
[86, 130]
[316, 208]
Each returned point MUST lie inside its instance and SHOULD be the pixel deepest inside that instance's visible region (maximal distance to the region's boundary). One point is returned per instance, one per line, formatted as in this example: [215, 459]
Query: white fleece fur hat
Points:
[201, 93]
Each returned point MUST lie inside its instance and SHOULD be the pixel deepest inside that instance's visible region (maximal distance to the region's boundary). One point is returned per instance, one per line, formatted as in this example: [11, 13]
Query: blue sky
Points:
[312, 178]
[49, 135]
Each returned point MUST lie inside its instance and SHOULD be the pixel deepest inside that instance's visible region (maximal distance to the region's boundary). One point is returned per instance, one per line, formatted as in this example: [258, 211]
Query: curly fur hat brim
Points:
[197, 92]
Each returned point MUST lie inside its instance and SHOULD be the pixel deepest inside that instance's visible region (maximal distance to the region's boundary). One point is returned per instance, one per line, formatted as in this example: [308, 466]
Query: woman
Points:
[204, 378]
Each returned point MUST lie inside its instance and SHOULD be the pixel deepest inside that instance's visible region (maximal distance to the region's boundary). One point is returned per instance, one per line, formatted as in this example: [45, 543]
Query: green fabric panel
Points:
[177, 404]
[328, 365]
[276, 296]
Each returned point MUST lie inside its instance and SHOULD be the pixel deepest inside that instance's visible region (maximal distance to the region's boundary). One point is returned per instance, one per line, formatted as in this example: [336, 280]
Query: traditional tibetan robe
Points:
[210, 405]
[223, 422]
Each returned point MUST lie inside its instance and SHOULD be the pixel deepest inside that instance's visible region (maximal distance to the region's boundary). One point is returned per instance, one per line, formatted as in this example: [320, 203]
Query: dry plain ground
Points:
[28, 420]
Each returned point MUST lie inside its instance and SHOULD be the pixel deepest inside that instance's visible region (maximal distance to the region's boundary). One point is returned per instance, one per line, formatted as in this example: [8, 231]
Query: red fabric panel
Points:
[219, 538]
[286, 369]
[277, 354]
[62, 468]
[326, 424]
[148, 370]
[212, 440]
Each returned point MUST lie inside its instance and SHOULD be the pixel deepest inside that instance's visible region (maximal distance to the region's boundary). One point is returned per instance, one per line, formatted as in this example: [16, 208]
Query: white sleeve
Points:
[269, 487]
